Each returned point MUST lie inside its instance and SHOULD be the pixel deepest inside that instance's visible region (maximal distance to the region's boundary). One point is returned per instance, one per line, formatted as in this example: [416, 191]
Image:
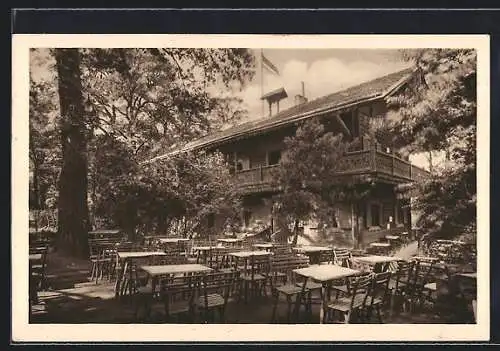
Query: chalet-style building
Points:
[254, 149]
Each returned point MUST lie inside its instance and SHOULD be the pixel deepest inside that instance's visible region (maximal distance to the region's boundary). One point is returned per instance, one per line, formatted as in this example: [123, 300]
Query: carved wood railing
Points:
[356, 162]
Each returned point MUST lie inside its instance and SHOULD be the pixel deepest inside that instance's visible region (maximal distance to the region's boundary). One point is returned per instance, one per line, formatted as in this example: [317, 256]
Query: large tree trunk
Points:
[73, 223]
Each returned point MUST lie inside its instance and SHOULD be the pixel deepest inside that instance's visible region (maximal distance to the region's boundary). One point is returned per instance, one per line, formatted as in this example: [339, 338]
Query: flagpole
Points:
[262, 79]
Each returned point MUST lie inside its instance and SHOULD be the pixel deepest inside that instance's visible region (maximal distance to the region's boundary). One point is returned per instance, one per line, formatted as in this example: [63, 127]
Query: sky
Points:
[323, 71]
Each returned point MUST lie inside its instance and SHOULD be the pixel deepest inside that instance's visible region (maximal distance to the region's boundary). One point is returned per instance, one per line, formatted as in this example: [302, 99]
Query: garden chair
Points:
[173, 255]
[216, 291]
[378, 294]
[222, 261]
[344, 287]
[351, 306]
[285, 283]
[254, 279]
[399, 284]
[177, 294]
[39, 269]
[102, 258]
[279, 264]
[417, 288]
[327, 257]
[342, 257]
[282, 249]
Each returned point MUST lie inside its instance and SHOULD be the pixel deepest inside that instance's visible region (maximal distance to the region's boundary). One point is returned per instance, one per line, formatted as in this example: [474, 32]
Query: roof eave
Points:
[296, 118]
[292, 119]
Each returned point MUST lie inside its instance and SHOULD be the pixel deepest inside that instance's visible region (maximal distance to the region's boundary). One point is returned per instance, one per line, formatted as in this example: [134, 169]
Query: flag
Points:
[269, 65]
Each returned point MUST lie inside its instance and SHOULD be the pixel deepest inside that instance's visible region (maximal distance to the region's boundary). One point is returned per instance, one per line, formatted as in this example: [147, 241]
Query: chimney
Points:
[301, 98]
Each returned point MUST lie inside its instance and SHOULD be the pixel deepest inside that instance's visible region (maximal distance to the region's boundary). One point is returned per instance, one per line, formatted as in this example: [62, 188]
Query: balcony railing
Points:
[251, 176]
[357, 162]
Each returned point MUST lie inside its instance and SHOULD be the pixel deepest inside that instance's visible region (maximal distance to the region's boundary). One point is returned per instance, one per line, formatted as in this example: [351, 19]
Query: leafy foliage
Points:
[135, 104]
[439, 101]
[437, 112]
[153, 98]
[309, 179]
[44, 151]
[155, 196]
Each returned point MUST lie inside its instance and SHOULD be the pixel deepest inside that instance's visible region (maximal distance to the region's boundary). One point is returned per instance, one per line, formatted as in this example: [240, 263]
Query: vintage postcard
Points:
[250, 188]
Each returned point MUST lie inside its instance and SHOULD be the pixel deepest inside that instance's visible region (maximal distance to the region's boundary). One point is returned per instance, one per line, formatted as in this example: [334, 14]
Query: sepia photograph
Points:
[308, 183]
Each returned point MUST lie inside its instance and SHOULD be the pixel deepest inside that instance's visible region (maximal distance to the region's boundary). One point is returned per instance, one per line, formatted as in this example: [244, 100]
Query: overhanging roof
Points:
[378, 88]
[275, 95]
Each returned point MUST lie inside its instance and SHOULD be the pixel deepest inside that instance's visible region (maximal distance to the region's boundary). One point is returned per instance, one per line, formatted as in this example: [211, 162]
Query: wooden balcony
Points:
[376, 164]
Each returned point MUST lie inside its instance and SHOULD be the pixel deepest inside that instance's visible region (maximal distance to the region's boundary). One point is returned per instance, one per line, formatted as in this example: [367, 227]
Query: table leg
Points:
[123, 278]
[195, 302]
[391, 304]
[117, 284]
[151, 298]
[299, 298]
[323, 304]
[131, 280]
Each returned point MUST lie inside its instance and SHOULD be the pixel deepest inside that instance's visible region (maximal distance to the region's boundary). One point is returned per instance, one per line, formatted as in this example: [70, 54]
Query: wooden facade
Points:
[255, 158]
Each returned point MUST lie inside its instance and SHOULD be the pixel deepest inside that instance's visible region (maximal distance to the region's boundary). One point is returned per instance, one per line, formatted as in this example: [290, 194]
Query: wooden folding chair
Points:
[416, 289]
[353, 305]
[327, 257]
[342, 257]
[377, 295]
[282, 249]
[399, 284]
[285, 283]
[255, 278]
[177, 294]
[39, 268]
[217, 289]
[101, 257]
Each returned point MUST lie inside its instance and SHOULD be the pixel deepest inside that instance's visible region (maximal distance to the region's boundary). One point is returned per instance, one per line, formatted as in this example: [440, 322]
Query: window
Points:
[211, 220]
[239, 166]
[401, 214]
[247, 215]
[274, 157]
[375, 212]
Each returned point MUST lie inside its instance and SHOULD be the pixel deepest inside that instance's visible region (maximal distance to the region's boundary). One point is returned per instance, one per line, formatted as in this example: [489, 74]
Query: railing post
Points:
[411, 175]
[261, 174]
[393, 160]
[373, 152]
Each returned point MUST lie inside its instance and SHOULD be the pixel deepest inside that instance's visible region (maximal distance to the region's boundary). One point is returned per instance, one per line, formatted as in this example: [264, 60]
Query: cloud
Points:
[321, 77]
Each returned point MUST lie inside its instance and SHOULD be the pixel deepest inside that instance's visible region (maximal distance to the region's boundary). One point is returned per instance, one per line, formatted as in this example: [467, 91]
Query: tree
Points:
[437, 113]
[73, 217]
[171, 194]
[44, 154]
[310, 181]
[148, 99]
[44, 151]
[153, 98]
